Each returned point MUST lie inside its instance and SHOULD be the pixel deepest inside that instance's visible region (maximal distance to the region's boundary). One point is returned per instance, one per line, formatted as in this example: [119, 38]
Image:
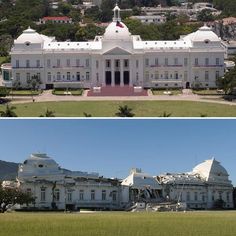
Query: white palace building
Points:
[57, 188]
[117, 58]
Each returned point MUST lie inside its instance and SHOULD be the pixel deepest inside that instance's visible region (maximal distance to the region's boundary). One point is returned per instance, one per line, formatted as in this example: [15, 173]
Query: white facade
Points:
[56, 188]
[118, 58]
[155, 19]
[199, 189]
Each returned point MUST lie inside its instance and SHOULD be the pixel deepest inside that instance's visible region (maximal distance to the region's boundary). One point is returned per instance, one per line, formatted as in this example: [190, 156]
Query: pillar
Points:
[121, 73]
[112, 73]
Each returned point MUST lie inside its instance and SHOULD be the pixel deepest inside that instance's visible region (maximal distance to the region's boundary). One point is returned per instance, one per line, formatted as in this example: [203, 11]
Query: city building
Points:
[155, 19]
[56, 188]
[117, 58]
[56, 19]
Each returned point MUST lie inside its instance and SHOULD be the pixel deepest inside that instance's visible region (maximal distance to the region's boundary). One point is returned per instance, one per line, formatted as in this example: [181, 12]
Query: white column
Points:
[121, 73]
[130, 72]
[112, 73]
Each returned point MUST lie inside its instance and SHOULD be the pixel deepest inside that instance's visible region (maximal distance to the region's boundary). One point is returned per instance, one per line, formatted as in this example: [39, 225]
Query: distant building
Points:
[56, 19]
[155, 19]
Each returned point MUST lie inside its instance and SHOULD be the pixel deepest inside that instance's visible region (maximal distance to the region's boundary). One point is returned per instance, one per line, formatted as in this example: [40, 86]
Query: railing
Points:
[207, 66]
[27, 67]
[67, 67]
[166, 65]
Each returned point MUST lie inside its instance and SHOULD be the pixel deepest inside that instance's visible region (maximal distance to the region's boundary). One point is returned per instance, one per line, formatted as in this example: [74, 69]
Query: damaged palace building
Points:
[57, 188]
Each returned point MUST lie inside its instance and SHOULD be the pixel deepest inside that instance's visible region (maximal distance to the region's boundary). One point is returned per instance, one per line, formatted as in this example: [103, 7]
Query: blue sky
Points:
[112, 147]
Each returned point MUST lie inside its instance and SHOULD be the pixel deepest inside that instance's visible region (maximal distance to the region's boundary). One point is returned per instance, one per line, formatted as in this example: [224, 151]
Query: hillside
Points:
[8, 170]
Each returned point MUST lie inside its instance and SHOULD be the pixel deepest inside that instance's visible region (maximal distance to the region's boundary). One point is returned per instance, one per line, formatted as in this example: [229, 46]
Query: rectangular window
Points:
[176, 75]
[137, 64]
[57, 195]
[58, 76]
[58, 63]
[92, 195]
[69, 195]
[68, 75]
[68, 62]
[117, 63]
[206, 75]
[166, 75]
[97, 64]
[196, 61]
[27, 63]
[185, 76]
[176, 61]
[108, 63]
[203, 198]
[78, 76]
[156, 62]
[213, 197]
[217, 74]
[195, 196]
[27, 76]
[147, 75]
[49, 76]
[206, 61]
[77, 62]
[17, 64]
[220, 195]
[87, 63]
[227, 197]
[43, 195]
[87, 75]
[48, 63]
[146, 62]
[39, 75]
[137, 77]
[166, 61]
[185, 61]
[217, 61]
[81, 195]
[37, 63]
[126, 63]
[97, 77]
[103, 195]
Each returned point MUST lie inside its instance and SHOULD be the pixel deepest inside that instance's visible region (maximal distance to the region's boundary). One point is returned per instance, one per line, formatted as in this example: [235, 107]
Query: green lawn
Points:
[24, 93]
[208, 92]
[75, 92]
[140, 108]
[119, 224]
[2, 60]
[161, 91]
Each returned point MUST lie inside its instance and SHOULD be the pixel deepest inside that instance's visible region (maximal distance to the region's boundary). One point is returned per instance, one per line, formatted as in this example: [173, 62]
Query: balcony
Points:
[207, 66]
[166, 66]
[28, 68]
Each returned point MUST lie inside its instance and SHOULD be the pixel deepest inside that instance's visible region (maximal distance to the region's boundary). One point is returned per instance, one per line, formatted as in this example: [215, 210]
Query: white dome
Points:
[204, 34]
[29, 36]
[114, 32]
[212, 170]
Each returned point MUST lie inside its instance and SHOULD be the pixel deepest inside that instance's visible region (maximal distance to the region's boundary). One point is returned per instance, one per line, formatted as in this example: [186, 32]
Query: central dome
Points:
[29, 36]
[117, 30]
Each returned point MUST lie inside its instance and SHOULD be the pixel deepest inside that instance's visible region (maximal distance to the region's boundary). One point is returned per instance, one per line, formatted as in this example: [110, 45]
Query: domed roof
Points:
[29, 36]
[204, 34]
[115, 32]
[211, 170]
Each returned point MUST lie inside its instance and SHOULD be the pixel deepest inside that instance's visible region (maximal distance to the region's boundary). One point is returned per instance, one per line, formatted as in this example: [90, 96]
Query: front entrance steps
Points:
[117, 91]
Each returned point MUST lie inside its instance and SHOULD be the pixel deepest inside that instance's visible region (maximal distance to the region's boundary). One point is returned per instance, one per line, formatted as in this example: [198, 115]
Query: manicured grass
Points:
[119, 224]
[208, 92]
[24, 92]
[75, 92]
[140, 108]
[161, 91]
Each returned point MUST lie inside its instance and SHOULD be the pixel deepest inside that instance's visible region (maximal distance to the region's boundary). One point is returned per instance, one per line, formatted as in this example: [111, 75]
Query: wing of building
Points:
[207, 183]
[117, 58]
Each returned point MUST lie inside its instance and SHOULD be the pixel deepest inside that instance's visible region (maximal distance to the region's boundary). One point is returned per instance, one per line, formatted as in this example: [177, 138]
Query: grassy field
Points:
[75, 92]
[161, 91]
[208, 92]
[24, 92]
[140, 108]
[119, 223]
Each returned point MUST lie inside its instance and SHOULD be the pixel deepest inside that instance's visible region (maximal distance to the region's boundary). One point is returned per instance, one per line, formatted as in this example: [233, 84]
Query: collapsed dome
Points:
[28, 37]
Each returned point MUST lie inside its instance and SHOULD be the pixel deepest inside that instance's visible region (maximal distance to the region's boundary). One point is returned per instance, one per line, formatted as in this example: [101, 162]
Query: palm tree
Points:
[165, 114]
[125, 111]
[87, 114]
[8, 112]
[48, 113]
